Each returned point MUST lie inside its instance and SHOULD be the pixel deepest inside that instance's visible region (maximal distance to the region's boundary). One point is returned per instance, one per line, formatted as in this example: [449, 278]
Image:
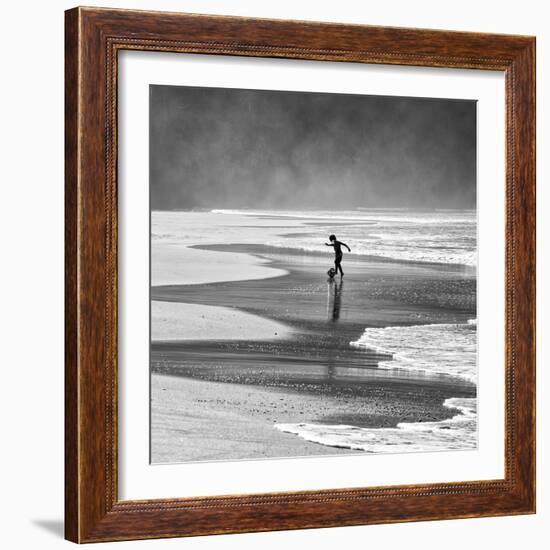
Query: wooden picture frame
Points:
[93, 511]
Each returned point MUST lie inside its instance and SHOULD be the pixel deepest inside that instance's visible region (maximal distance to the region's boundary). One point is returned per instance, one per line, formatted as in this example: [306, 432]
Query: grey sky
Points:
[226, 148]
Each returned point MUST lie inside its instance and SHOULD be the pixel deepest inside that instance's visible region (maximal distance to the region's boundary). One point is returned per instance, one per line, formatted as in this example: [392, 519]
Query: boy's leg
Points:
[338, 265]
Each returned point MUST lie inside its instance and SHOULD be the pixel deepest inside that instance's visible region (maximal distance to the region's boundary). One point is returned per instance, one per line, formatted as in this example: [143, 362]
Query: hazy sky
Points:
[224, 148]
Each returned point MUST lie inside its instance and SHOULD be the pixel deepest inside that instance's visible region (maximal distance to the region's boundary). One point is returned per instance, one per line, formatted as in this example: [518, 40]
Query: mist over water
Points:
[226, 148]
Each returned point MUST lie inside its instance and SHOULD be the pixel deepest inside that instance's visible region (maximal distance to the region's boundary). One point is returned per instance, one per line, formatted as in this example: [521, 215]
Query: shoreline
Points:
[313, 364]
[260, 250]
[386, 293]
[195, 420]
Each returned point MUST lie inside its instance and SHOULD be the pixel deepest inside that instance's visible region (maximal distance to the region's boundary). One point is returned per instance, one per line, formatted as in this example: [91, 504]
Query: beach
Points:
[203, 420]
[255, 354]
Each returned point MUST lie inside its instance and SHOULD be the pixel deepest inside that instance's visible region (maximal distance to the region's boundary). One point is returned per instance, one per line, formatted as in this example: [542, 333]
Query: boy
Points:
[338, 254]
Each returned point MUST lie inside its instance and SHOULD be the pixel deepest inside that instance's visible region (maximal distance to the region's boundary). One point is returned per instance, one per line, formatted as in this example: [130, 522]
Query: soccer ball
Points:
[331, 272]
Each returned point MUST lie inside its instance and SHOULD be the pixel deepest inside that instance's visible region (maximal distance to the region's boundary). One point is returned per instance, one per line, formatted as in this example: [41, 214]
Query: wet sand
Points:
[177, 321]
[223, 397]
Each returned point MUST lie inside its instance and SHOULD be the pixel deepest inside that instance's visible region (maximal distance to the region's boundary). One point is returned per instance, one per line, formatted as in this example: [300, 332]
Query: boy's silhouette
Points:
[338, 254]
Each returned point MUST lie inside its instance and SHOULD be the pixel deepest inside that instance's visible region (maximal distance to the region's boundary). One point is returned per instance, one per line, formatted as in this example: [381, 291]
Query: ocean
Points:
[447, 236]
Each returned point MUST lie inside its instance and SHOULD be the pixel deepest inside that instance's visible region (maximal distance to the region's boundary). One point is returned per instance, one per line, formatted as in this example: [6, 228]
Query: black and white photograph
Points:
[313, 274]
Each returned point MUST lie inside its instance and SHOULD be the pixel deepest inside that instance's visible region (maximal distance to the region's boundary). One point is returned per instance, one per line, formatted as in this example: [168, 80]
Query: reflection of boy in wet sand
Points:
[338, 254]
[335, 295]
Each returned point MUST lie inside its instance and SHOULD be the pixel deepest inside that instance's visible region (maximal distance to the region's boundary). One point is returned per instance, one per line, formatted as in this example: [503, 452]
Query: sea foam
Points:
[456, 433]
[448, 349]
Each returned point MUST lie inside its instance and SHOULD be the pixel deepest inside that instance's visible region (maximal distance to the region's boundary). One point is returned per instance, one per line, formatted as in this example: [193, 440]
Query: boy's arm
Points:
[344, 244]
[329, 244]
